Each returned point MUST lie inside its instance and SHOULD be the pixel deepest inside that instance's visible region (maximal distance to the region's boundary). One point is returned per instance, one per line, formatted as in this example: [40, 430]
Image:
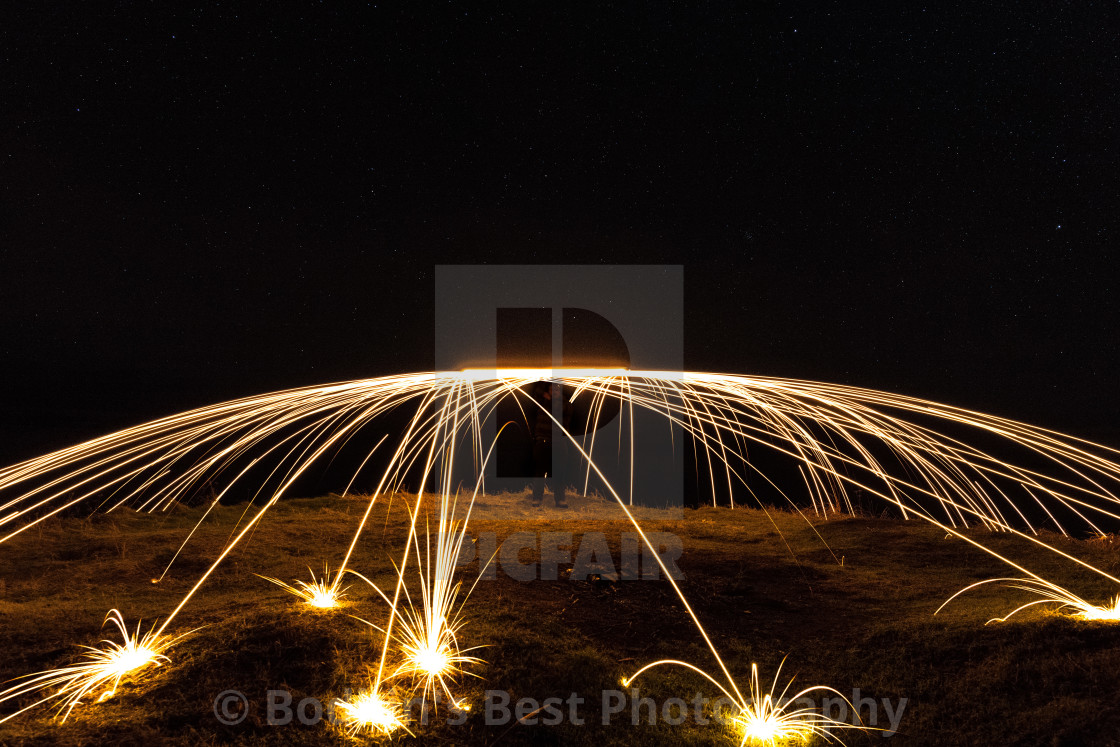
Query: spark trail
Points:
[913, 454]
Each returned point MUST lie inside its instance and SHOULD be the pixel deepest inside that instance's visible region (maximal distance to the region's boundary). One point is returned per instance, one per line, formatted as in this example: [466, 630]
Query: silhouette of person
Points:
[541, 428]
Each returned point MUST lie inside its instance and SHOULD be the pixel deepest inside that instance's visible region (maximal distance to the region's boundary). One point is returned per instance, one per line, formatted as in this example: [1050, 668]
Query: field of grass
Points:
[848, 602]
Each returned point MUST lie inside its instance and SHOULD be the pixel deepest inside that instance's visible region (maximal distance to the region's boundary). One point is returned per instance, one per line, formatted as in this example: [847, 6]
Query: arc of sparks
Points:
[763, 719]
[844, 438]
[1049, 593]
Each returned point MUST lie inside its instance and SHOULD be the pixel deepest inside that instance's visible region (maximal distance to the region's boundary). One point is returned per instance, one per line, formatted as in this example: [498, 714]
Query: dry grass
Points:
[765, 584]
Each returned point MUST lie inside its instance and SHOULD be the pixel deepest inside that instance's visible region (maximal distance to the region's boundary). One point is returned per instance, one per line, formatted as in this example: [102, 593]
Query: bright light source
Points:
[321, 593]
[103, 667]
[370, 712]
[1050, 593]
[539, 374]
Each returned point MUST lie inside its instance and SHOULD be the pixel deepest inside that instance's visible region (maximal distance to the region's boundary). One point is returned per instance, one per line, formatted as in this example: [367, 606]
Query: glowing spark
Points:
[370, 712]
[1094, 612]
[1051, 593]
[320, 592]
[103, 667]
[763, 719]
[763, 722]
[434, 665]
[427, 639]
[427, 633]
[842, 438]
[538, 374]
[431, 661]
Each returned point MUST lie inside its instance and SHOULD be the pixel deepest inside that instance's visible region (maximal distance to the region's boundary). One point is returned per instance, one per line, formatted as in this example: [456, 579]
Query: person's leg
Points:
[560, 476]
[560, 492]
[542, 464]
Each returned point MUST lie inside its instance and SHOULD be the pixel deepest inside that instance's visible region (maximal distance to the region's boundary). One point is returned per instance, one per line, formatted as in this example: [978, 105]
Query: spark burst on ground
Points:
[428, 636]
[321, 593]
[1050, 593]
[370, 712]
[102, 669]
[763, 719]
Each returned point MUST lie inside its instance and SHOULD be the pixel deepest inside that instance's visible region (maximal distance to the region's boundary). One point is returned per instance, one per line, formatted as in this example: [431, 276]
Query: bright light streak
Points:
[431, 662]
[888, 447]
[321, 593]
[101, 670]
[1050, 593]
[370, 712]
[540, 374]
[430, 618]
[765, 719]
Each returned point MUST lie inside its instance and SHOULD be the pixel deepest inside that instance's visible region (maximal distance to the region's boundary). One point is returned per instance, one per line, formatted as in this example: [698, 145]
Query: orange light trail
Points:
[891, 447]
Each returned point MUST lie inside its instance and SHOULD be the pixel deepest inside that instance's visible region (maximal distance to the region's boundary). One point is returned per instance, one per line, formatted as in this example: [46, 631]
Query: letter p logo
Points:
[571, 317]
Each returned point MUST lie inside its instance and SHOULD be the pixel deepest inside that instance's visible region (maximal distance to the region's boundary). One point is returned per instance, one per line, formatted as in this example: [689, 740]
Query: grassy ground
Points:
[849, 601]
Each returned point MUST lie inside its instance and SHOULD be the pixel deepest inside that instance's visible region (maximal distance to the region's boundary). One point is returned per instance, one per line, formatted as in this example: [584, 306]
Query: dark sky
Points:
[215, 201]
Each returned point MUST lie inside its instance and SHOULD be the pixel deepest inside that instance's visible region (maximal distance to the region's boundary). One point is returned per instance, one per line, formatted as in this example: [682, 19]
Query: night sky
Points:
[219, 201]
